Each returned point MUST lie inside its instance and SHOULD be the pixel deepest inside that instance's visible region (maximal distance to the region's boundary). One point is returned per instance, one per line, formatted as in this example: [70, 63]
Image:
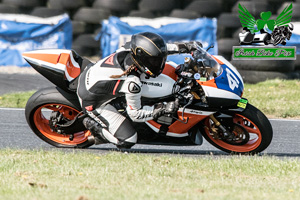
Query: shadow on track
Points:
[183, 152]
[161, 151]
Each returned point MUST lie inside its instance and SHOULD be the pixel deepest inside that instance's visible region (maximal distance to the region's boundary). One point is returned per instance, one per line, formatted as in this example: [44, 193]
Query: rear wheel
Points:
[252, 132]
[38, 112]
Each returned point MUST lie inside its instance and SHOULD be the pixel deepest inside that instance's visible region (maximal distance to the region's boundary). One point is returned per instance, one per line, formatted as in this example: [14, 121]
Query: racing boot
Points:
[96, 130]
[109, 125]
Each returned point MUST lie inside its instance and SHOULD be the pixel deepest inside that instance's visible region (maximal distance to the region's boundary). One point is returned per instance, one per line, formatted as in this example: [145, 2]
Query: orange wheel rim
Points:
[41, 121]
[252, 144]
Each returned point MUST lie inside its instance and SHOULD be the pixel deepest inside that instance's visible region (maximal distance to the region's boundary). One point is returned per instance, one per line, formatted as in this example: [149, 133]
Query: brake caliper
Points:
[55, 119]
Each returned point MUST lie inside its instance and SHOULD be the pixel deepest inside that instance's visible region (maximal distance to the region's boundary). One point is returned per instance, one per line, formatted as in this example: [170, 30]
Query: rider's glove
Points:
[168, 108]
[188, 47]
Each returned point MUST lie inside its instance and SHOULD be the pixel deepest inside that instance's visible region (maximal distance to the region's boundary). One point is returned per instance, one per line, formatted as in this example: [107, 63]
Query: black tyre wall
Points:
[225, 47]
[206, 7]
[66, 4]
[46, 12]
[188, 14]
[116, 5]
[142, 13]
[91, 15]
[158, 5]
[227, 24]
[8, 9]
[250, 76]
[25, 3]
[265, 65]
[254, 7]
[297, 63]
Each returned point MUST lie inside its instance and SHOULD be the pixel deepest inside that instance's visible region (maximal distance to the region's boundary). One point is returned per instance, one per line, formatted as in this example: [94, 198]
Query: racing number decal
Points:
[232, 80]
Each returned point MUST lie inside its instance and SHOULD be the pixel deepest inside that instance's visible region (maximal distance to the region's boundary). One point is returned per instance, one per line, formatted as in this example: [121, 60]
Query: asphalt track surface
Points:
[15, 133]
[21, 82]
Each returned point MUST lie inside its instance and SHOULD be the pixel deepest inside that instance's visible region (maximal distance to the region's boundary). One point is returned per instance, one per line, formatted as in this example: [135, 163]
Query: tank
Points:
[162, 85]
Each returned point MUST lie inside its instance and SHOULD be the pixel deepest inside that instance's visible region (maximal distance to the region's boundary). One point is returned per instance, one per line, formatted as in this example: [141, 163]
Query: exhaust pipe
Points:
[95, 140]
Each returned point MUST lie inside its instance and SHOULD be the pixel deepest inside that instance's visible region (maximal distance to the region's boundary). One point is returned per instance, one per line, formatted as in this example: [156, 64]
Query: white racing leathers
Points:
[132, 88]
[96, 89]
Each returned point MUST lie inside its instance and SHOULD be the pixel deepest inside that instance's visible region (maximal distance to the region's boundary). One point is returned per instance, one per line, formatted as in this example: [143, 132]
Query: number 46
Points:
[232, 80]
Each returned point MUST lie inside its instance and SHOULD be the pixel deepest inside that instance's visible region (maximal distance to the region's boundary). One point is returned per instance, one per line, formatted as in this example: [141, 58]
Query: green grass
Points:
[278, 98]
[275, 98]
[59, 175]
[15, 100]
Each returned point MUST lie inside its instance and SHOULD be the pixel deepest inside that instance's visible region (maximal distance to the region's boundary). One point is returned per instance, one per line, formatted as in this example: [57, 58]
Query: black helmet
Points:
[149, 52]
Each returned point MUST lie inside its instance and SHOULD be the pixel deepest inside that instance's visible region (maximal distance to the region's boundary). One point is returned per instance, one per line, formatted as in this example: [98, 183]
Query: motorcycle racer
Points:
[146, 53]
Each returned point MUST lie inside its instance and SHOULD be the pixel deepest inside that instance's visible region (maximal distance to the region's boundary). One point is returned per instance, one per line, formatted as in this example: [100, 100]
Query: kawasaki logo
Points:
[152, 84]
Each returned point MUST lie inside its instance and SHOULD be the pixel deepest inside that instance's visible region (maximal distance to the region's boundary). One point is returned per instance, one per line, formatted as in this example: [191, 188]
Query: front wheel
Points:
[252, 129]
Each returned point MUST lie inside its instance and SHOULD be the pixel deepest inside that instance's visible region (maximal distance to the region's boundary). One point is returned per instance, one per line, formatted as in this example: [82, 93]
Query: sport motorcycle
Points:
[208, 89]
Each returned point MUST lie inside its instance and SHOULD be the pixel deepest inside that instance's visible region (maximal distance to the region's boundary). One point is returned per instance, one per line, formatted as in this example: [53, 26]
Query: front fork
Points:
[218, 124]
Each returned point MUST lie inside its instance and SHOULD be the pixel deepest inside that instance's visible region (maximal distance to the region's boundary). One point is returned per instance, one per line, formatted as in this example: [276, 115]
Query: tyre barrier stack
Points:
[86, 16]
[254, 71]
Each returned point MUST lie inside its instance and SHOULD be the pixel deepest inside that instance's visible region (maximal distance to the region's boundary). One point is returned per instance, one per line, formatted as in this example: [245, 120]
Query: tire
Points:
[116, 5]
[206, 7]
[8, 9]
[158, 5]
[86, 45]
[87, 40]
[46, 12]
[187, 14]
[259, 76]
[66, 4]
[50, 99]
[91, 15]
[297, 62]
[227, 25]
[254, 7]
[253, 121]
[78, 27]
[225, 47]
[229, 20]
[27, 3]
[85, 51]
[265, 65]
[142, 13]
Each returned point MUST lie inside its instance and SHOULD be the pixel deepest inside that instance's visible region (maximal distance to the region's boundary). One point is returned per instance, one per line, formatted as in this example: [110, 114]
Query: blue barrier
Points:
[20, 33]
[115, 32]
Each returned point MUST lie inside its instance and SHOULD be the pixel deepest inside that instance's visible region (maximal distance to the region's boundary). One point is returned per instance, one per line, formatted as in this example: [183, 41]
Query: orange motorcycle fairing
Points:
[58, 60]
[179, 129]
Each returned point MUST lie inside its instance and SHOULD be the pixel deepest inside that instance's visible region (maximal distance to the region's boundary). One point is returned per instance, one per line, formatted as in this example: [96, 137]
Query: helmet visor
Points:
[155, 64]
